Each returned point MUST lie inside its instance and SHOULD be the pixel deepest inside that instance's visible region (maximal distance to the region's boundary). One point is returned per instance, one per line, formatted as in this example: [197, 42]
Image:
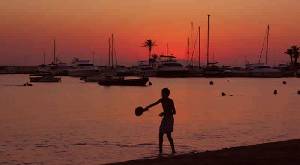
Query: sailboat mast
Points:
[109, 51]
[188, 50]
[44, 56]
[167, 49]
[93, 53]
[199, 53]
[112, 50]
[54, 52]
[267, 49]
[208, 33]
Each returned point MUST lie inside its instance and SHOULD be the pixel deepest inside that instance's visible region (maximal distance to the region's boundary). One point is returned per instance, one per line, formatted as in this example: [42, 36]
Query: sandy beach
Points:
[281, 153]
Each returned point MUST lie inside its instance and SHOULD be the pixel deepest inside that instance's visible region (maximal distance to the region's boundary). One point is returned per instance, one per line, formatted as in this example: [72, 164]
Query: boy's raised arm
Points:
[153, 104]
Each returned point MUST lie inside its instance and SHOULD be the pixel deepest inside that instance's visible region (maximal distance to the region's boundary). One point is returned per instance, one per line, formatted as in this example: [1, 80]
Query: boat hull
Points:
[45, 79]
[124, 82]
[170, 73]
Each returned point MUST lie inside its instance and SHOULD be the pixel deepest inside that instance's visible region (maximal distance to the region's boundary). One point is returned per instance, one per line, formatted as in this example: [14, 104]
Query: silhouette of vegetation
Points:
[293, 52]
[149, 44]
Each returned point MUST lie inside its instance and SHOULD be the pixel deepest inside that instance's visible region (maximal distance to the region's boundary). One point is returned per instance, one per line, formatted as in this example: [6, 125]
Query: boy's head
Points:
[165, 92]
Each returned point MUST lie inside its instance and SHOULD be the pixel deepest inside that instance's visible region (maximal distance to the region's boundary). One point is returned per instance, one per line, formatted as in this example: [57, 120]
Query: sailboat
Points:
[211, 69]
[260, 69]
[49, 75]
[110, 76]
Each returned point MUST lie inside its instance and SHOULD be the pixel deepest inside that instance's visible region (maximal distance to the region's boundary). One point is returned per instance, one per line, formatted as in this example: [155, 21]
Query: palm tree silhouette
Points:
[290, 53]
[149, 44]
[295, 50]
[294, 54]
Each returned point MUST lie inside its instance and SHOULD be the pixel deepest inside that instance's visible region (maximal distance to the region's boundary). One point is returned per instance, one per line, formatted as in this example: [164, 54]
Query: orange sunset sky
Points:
[27, 28]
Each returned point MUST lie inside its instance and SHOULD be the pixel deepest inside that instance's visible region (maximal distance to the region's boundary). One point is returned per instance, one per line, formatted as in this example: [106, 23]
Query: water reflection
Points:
[76, 123]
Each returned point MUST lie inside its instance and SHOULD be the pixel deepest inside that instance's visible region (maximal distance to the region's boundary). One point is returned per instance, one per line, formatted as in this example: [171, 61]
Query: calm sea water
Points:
[83, 123]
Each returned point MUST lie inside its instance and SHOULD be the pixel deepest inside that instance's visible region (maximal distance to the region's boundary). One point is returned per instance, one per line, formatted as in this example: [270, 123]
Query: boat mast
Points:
[167, 49]
[188, 50]
[93, 53]
[267, 49]
[199, 53]
[192, 43]
[44, 56]
[109, 48]
[112, 50]
[54, 52]
[208, 33]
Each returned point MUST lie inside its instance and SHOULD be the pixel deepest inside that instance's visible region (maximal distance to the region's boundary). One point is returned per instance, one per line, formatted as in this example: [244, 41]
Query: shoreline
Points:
[281, 153]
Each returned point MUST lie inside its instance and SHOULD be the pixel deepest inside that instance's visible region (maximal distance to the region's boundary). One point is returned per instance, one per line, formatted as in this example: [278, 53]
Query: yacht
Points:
[81, 68]
[262, 70]
[168, 66]
[144, 69]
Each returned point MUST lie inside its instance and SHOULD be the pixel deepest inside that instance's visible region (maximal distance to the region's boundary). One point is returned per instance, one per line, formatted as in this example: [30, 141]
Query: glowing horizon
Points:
[238, 28]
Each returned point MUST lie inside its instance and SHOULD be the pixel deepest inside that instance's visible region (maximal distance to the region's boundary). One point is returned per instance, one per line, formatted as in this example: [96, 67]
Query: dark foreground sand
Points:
[278, 153]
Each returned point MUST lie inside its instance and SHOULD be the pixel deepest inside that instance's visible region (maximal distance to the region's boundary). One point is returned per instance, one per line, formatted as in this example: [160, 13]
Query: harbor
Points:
[172, 82]
[165, 65]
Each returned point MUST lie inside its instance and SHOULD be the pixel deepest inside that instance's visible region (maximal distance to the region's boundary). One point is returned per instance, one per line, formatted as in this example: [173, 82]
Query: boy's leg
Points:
[161, 136]
[171, 141]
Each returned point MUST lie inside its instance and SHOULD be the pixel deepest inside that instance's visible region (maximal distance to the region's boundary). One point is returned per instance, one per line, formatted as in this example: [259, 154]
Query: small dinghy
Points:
[121, 81]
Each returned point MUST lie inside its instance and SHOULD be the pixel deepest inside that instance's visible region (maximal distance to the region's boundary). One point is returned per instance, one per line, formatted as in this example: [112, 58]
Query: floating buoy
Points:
[284, 82]
[275, 92]
[211, 83]
[223, 94]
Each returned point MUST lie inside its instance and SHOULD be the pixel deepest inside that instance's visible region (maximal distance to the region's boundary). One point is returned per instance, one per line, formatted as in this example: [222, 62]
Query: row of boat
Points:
[165, 66]
[104, 80]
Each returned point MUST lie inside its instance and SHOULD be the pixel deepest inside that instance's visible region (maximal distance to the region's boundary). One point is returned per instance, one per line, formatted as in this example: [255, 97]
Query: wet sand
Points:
[279, 153]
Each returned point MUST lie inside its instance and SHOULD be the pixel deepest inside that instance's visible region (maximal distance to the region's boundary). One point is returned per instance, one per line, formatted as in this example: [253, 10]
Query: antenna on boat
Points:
[199, 53]
[267, 49]
[208, 35]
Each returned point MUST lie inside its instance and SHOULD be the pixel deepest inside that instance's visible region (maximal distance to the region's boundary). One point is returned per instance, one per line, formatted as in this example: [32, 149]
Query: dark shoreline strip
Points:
[275, 153]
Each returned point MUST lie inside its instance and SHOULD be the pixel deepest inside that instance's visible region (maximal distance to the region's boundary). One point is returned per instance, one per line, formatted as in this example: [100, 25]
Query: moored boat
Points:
[45, 78]
[263, 71]
[168, 66]
[121, 81]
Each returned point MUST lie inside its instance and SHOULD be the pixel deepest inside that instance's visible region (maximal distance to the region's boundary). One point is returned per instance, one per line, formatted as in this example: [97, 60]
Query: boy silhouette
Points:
[167, 122]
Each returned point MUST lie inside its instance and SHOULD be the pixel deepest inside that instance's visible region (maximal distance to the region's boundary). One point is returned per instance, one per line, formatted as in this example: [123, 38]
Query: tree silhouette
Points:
[149, 44]
[295, 50]
[290, 53]
[294, 54]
